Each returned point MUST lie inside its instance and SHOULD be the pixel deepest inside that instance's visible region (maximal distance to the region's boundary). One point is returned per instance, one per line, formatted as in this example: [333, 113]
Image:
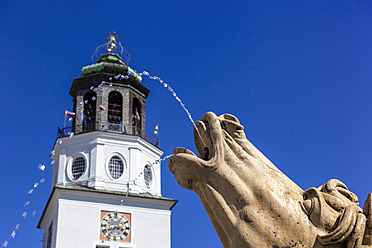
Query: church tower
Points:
[106, 186]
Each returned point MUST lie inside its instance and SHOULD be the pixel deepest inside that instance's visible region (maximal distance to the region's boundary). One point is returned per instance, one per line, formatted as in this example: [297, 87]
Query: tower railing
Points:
[115, 128]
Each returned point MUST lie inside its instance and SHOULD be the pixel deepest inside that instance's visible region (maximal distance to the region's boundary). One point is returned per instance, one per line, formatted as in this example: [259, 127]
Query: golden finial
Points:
[111, 44]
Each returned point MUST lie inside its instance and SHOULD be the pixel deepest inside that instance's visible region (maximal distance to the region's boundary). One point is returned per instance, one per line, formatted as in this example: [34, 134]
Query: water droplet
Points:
[122, 201]
[82, 119]
[33, 213]
[103, 82]
[42, 180]
[17, 227]
[41, 167]
[81, 104]
[145, 73]
[110, 84]
[52, 163]
[52, 153]
[126, 77]
[116, 77]
[70, 119]
[81, 112]
[91, 88]
[13, 234]
[5, 244]
[77, 108]
[174, 94]
[99, 86]
[165, 85]
[93, 98]
[24, 215]
[86, 101]
[59, 142]
[36, 184]
[72, 134]
[27, 203]
[110, 78]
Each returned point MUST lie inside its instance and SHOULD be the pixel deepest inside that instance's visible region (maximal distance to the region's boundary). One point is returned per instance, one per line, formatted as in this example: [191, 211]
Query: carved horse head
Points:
[250, 202]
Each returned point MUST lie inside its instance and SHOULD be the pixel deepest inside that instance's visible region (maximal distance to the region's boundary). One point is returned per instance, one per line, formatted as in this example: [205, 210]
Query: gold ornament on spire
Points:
[112, 46]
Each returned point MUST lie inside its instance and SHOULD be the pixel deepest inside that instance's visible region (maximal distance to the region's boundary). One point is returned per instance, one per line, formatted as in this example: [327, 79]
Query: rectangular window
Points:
[50, 233]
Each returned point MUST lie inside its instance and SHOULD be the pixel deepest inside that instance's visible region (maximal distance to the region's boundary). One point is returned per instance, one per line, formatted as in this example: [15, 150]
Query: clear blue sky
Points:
[298, 75]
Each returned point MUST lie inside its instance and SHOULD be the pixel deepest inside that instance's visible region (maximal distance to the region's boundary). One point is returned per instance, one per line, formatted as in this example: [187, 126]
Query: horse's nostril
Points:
[307, 206]
[189, 183]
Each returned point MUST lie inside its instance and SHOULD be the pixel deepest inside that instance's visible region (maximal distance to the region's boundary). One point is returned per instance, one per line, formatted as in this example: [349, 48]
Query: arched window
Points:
[90, 111]
[136, 117]
[115, 110]
[116, 167]
[78, 168]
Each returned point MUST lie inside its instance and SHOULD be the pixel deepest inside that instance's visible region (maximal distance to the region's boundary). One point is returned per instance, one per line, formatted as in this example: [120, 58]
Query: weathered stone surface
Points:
[251, 203]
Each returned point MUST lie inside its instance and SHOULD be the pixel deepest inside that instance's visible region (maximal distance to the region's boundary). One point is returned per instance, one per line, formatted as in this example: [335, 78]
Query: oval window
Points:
[78, 168]
[116, 167]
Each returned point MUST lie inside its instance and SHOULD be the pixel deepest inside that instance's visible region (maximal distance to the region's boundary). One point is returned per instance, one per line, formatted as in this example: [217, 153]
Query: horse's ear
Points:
[367, 211]
[367, 208]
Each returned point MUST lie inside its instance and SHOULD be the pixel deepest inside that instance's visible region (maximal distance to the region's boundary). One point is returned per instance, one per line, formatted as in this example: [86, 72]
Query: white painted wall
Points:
[77, 221]
[97, 148]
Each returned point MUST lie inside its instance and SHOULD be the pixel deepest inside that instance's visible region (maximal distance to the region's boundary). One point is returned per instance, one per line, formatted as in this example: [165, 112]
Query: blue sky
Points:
[298, 75]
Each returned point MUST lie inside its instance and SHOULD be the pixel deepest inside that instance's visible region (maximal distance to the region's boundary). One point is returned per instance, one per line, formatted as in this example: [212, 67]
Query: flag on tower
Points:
[102, 108]
[156, 129]
[137, 115]
[69, 114]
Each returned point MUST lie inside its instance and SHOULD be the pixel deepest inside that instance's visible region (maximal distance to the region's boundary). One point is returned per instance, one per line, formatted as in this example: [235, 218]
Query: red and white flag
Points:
[69, 114]
[102, 108]
[156, 131]
[137, 115]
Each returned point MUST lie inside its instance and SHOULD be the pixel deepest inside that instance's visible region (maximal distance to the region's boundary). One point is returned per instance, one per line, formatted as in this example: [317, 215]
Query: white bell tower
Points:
[106, 187]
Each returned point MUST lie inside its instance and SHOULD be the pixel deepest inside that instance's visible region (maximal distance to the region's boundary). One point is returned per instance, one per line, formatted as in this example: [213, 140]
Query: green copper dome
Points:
[110, 63]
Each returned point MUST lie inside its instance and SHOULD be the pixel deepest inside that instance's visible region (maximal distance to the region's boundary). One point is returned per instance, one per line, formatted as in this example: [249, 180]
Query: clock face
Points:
[115, 226]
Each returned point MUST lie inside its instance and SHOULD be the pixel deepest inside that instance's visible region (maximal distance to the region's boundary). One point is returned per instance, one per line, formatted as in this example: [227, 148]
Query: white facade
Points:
[75, 214]
[97, 148]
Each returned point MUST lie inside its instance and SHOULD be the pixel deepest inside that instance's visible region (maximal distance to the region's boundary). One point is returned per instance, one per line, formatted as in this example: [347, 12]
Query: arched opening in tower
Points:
[115, 109]
[136, 117]
[89, 122]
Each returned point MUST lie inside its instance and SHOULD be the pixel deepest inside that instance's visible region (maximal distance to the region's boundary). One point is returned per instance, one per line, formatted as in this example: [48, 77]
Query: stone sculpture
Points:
[251, 203]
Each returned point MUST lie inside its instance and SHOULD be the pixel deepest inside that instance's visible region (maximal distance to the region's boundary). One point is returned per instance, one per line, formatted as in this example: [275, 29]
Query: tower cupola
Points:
[109, 96]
